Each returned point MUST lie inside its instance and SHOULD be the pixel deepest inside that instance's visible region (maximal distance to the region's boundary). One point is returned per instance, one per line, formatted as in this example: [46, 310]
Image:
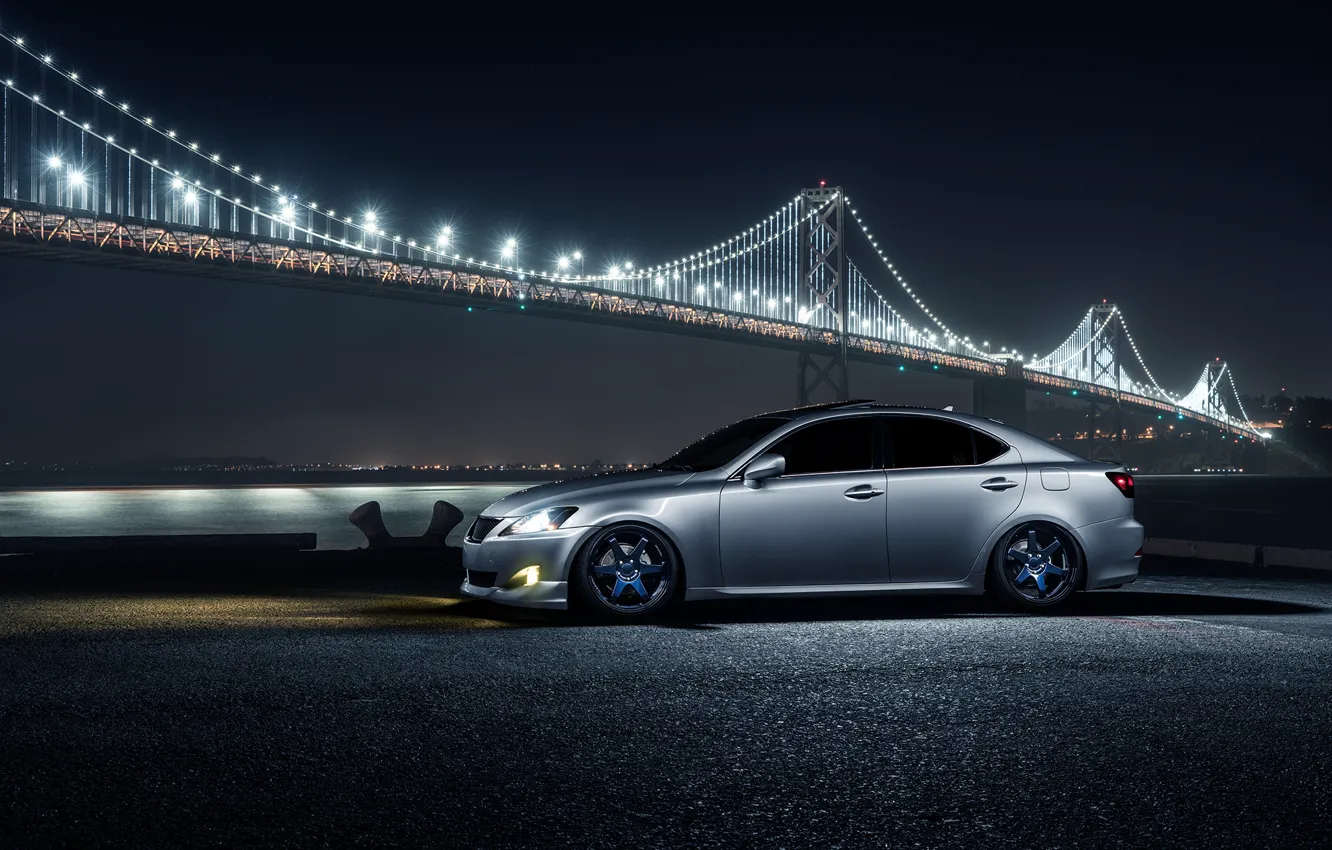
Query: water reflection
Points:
[221, 510]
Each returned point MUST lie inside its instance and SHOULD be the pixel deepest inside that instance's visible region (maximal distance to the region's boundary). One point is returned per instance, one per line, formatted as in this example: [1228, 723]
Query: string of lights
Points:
[1037, 362]
[1048, 366]
[1143, 363]
[708, 257]
[1244, 414]
[874, 243]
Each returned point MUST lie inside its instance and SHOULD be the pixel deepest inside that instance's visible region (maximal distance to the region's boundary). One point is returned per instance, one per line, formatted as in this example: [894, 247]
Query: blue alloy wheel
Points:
[1037, 565]
[628, 570]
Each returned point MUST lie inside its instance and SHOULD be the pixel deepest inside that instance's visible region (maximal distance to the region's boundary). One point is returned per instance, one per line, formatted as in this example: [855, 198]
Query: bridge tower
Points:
[1102, 365]
[1103, 353]
[821, 285]
[1215, 403]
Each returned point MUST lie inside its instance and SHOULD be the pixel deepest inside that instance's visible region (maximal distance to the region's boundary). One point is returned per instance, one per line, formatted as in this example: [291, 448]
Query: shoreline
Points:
[236, 480]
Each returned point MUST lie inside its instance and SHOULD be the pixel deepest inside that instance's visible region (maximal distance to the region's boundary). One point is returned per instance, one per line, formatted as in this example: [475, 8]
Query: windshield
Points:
[723, 445]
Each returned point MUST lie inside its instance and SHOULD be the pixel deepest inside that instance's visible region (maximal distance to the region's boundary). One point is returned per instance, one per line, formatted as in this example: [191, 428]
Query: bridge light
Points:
[53, 162]
[578, 255]
[177, 183]
[191, 197]
[76, 178]
[74, 75]
[614, 271]
[562, 263]
[370, 217]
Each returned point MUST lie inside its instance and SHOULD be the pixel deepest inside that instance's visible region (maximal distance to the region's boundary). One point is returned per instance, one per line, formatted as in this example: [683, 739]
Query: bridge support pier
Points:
[1004, 399]
[813, 371]
[1108, 447]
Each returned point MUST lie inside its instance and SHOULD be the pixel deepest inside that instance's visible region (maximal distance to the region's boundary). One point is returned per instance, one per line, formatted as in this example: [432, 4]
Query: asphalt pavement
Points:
[1181, 711]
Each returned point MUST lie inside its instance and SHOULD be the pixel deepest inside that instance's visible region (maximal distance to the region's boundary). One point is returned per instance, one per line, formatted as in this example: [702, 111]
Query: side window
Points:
[987, 447]
[838, 445]
[922, 441]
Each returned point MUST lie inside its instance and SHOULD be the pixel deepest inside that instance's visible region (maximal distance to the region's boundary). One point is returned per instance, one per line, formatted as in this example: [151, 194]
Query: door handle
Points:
[863, 491]
[998, 484]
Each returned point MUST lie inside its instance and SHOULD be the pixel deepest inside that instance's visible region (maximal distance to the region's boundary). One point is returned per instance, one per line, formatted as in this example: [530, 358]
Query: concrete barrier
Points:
[1242, 553]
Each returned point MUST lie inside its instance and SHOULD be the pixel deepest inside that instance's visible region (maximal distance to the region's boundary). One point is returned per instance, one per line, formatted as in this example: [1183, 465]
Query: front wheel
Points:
[1036, 567]
[625, 573]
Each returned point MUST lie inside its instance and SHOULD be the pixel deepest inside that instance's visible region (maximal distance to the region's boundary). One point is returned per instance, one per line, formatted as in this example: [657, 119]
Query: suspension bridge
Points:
[88, 178]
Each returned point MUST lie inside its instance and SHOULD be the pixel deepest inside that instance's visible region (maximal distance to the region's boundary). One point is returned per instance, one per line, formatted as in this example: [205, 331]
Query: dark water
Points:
[223, 510]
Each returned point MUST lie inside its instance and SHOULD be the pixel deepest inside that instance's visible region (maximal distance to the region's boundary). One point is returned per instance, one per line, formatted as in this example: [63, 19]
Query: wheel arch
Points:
[992, 545]
[629, 519]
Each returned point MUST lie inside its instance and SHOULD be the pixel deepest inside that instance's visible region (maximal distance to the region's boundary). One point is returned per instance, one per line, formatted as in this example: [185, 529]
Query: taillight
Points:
[1123, 481]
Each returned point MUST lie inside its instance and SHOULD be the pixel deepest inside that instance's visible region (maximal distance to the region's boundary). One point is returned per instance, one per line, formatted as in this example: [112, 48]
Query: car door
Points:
[941, 504]
[819, 523]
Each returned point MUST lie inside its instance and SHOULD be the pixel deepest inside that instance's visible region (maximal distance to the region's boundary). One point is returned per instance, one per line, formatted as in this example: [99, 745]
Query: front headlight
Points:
[544, 520]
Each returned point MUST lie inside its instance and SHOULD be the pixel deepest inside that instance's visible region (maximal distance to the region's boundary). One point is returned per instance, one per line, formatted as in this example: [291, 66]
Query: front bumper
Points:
[496, 561]
[1111, 549]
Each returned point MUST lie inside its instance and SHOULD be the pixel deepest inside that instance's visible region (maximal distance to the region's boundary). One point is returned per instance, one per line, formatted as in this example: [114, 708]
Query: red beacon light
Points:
[823, 183]
[1123, 481]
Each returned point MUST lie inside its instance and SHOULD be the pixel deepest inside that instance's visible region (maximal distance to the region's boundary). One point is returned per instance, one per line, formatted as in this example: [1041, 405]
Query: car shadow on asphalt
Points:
[402, 593]
[711, 615]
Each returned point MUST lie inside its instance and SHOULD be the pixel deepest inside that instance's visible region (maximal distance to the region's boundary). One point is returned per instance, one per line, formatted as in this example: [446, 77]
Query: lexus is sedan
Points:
[840, 499]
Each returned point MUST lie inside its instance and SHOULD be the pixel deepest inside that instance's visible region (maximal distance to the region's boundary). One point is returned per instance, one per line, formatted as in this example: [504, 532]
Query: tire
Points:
[626, 573]
[1041, 583]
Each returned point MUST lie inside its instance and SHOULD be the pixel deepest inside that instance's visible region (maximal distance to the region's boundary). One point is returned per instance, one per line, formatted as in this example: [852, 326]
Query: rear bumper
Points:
[1111, 549]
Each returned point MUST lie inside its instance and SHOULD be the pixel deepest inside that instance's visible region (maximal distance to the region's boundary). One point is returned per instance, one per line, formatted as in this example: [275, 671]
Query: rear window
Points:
[920, 442]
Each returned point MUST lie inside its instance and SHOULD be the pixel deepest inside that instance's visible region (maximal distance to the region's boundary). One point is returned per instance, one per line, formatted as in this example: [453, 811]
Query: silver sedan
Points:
[831, 500]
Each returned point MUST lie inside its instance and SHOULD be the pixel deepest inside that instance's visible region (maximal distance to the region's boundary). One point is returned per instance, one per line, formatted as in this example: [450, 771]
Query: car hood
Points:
[576, 491]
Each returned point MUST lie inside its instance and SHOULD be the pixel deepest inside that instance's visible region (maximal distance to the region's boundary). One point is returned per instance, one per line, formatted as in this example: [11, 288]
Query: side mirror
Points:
[764, 466]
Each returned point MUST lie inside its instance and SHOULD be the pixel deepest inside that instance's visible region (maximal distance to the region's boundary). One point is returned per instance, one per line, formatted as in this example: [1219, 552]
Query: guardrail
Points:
[1242, 553]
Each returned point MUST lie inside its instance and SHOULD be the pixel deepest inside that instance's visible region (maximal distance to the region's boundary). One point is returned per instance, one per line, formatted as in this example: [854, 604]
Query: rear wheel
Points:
[626, 573]
[1036, 567]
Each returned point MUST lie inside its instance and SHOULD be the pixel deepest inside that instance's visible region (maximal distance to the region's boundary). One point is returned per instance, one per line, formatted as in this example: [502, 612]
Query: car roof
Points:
[854, 404]
[1031, 447]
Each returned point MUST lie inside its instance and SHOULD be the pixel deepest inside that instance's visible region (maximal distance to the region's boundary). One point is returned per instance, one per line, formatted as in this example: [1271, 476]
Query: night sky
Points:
[1177, 167]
